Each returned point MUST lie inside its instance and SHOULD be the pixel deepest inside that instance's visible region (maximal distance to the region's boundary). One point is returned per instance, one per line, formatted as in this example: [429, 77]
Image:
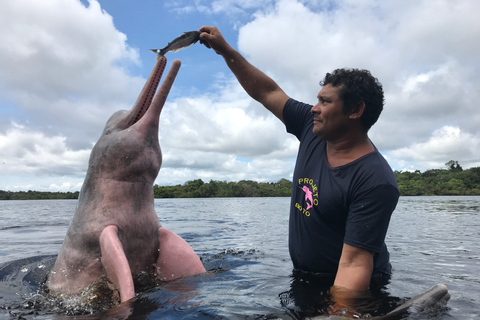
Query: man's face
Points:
[329, 122]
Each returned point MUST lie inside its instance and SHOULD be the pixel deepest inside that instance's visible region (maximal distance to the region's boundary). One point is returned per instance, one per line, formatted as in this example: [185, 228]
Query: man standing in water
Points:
[344, 191]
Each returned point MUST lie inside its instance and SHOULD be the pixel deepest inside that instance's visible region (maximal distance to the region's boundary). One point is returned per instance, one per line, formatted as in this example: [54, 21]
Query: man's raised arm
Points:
[257, 84]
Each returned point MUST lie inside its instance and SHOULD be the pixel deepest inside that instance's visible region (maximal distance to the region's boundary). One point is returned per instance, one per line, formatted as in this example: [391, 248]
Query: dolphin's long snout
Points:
[145, 98]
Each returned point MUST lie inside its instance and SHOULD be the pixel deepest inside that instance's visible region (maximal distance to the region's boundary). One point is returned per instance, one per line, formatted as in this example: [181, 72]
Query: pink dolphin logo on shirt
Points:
[308, 196]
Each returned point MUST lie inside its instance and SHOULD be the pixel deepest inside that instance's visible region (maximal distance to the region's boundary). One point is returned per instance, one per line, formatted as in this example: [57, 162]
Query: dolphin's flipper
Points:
[115, 263]
[176, 259]
[438, 295]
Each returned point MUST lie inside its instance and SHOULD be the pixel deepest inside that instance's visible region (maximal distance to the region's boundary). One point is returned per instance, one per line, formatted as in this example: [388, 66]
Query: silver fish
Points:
[186, 39]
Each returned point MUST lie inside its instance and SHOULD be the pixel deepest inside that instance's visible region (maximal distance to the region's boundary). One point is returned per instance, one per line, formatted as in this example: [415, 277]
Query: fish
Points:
[186, 39]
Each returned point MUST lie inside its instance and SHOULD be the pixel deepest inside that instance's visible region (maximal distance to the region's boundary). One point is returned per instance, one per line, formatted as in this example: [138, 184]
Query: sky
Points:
[67, 65]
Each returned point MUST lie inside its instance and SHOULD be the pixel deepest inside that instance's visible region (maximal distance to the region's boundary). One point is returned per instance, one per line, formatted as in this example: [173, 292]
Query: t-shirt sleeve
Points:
[297, 116]
[369, 216]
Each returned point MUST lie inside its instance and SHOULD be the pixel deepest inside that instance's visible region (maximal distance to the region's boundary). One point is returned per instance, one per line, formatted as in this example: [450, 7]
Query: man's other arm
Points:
[354, 269]
[352, 280]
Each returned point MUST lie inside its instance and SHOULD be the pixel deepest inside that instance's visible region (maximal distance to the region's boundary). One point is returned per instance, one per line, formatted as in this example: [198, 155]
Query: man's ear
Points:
[357, 110]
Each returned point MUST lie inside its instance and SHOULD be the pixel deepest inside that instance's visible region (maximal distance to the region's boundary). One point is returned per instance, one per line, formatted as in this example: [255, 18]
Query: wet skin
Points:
[115, 231]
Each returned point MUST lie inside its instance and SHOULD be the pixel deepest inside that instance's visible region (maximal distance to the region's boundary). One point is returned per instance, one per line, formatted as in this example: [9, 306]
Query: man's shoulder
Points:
[375, 169]
[297, 116]
[296, 108]
[296, 103]
[380, 164]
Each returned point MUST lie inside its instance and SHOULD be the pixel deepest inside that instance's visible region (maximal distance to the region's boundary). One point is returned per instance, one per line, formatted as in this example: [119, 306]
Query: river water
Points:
[243, 244]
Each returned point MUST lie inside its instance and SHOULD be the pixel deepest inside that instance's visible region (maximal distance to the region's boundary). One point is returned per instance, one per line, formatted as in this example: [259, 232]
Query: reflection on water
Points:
[243, 244]
[434, 239]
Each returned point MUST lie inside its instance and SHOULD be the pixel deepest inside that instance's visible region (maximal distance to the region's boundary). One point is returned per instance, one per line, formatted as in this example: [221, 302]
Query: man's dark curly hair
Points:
[358, 86]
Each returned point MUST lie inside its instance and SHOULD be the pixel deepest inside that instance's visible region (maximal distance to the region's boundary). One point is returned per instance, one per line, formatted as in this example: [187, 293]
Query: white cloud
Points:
[220, 137]
[446, 143]
[63, 73]
[221, 167]
[31, 155]
[30, 152]
[229, 7]
[428, 74]
[61, 63]
[225, 122]
[65, 186]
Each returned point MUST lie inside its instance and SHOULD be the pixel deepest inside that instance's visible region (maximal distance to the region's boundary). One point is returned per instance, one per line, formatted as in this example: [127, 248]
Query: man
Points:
[344, 191]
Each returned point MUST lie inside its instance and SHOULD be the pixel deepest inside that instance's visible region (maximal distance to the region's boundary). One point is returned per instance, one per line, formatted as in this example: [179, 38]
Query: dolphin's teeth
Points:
[138, 116]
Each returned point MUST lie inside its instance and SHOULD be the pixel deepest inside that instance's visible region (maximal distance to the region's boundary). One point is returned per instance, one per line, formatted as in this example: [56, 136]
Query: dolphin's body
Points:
[436, 296]
[115, 232]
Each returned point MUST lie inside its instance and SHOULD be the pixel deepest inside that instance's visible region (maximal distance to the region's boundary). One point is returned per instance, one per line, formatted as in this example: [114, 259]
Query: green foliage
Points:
[453, 165]
[439, 182]
[451, 181]
[244, 188]
[36, 195]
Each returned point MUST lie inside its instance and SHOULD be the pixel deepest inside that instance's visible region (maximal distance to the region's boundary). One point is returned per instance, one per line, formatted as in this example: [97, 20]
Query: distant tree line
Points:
[36, 195]
[439, 182]
[451, 181]
[244, 188]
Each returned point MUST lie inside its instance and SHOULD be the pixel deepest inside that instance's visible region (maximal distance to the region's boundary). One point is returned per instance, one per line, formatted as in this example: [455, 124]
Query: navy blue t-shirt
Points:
[349, 204]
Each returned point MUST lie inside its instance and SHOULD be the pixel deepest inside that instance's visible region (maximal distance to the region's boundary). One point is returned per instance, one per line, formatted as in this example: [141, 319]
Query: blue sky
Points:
[152, 24]
[67, 65]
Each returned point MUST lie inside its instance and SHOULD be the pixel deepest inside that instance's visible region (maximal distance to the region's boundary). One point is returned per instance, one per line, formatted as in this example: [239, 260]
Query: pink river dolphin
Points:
[308, 197]
[115, 233]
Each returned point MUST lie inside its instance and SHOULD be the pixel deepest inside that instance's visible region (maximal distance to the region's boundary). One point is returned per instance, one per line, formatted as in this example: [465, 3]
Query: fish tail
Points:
[159, 52]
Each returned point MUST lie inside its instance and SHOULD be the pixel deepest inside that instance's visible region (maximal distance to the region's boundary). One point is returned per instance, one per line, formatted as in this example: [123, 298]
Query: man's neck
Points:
[342, 152]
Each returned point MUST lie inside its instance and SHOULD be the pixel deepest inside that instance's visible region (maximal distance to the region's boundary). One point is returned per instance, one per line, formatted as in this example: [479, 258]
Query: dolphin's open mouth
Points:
[148, 92]
[139, 115]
